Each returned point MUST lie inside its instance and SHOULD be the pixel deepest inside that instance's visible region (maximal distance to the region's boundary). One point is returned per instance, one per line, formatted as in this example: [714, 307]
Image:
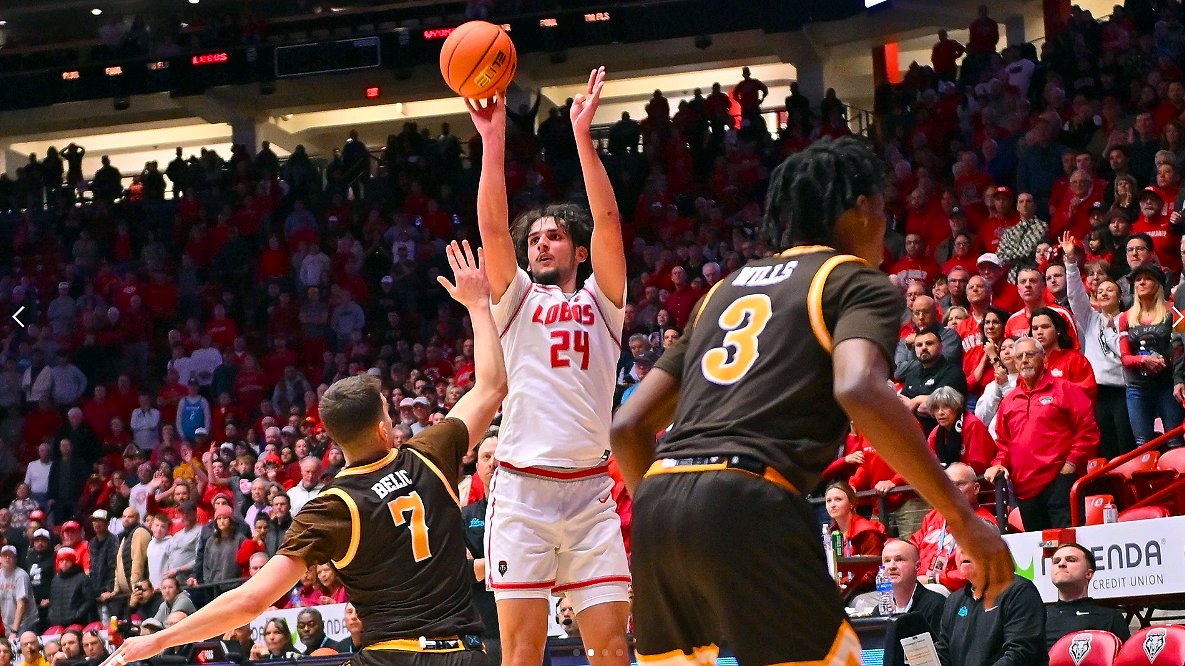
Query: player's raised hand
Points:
[584, 105]
[472, 287]
[489, 116]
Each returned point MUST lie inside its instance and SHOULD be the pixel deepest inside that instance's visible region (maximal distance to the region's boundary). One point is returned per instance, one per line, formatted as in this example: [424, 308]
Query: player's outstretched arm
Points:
[472, 289]
[861, 375]
[608, 251]
[651, 408]
[229, 611]
[492, 213]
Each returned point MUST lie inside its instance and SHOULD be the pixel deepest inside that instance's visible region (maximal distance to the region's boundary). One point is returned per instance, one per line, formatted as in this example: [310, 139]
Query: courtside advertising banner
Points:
[333, 614]
[1142, 558]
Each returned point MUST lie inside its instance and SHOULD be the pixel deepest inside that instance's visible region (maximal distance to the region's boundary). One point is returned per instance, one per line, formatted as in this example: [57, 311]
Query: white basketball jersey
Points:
[561, 363]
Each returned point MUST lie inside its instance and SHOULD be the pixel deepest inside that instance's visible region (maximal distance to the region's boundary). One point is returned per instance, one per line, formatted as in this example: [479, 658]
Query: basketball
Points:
[478, 59]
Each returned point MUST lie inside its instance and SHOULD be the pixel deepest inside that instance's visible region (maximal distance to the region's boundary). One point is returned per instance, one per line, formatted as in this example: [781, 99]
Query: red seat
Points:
[1118, 483]
[56, 630]
[1144, 513]
[1094, 508]
[1085, 648]
[1095, 463]
[1154, 646]
[93, 626]
[1173, 460]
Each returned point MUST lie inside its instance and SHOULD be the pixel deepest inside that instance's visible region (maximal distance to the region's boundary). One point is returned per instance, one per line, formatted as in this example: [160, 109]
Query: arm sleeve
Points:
[505, 308]
[313, 537]
[868, 306]
[444, 444]
[1078, 298]
[1130, 358]
[1024, 627]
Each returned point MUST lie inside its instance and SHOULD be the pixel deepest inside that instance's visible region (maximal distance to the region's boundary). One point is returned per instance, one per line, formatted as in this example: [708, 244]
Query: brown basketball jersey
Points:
[755, 360]
[393, 530]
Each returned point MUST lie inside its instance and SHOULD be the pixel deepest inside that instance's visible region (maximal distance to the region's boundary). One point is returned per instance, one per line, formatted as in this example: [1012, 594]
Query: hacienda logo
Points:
[1115, 556]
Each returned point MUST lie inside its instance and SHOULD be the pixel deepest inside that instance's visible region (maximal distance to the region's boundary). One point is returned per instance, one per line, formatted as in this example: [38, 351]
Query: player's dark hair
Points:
[812, 189]
[574, 220]
[351, 407]
[1084, 550]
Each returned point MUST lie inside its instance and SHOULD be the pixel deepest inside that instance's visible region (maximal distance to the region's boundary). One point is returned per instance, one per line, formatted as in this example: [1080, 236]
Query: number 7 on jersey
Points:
[412, 504]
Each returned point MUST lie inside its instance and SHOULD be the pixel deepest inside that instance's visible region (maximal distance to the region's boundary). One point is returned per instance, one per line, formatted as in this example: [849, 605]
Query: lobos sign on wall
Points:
[1140, 558]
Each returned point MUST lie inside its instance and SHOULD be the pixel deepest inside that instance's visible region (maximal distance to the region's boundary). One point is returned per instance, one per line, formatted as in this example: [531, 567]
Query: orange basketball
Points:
[478, 59]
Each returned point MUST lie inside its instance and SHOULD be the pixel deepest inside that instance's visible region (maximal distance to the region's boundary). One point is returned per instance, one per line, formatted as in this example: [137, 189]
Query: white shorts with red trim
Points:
[556, 535]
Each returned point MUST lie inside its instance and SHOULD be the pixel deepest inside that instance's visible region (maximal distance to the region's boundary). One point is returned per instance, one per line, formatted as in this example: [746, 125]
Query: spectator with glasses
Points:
[1045, 434]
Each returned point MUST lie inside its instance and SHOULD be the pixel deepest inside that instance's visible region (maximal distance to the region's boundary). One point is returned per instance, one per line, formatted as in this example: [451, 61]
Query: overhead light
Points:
[96, 11]
[3, 23]
[194, 2]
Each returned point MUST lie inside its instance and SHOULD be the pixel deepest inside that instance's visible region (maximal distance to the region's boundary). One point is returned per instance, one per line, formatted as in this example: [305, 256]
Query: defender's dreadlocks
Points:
[572, 219]
[811, 189]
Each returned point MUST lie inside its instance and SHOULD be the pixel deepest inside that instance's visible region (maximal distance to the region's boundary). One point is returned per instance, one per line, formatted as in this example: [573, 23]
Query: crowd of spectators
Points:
[160, 420]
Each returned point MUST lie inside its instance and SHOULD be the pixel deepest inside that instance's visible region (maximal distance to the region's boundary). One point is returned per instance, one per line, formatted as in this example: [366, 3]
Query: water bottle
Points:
[1144, 351]
[294, 598]
[832, 564]
[884, 588]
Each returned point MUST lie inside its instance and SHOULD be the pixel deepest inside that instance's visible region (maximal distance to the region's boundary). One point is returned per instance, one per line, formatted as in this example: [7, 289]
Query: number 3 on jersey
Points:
[412, 503]
[743, 321]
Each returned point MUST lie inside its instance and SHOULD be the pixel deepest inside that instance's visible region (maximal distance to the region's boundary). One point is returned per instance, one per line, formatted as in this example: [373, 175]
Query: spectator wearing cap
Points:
[1004, 294]
[17, 604]
[1147, 349]
[218, 561]
[1045, 434]
[643, 363]
[193, 413]
[71, 596]
[421, 408]
[102, 549]
[73, 537]
[1166, 238]
[406, 416]
[1072, 568]
[66, 479]
[310, 484]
